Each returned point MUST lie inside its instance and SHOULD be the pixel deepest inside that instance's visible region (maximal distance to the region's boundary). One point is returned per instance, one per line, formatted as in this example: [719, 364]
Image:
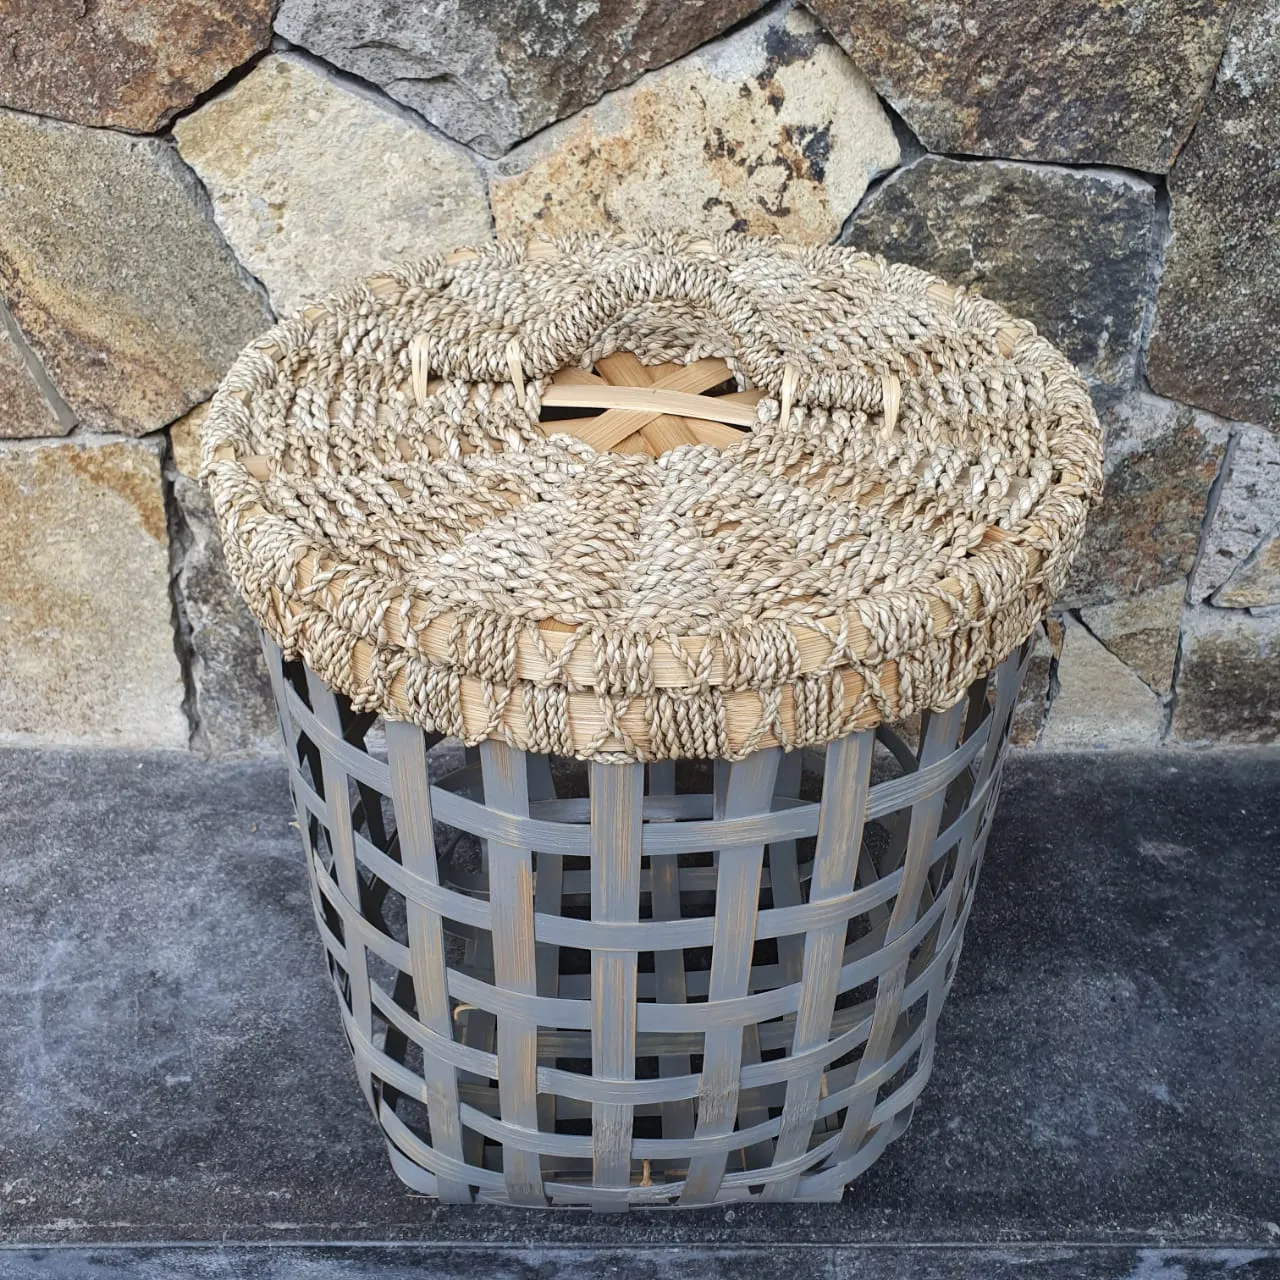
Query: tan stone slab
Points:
[24, 409]
[116, 274]
[1256, 583]
[1100, 703]
[86, 619]
[1142, 631]
[770, 130]
[314, 184]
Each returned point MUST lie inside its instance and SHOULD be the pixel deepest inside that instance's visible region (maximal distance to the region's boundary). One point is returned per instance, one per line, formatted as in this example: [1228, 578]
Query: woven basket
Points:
[628, 503]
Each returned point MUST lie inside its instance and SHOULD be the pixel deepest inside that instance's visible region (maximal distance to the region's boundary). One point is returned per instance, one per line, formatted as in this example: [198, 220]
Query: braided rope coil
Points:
[899, 517]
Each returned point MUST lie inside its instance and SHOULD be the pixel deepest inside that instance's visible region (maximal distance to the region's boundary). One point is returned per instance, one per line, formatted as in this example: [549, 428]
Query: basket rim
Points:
[610, 687]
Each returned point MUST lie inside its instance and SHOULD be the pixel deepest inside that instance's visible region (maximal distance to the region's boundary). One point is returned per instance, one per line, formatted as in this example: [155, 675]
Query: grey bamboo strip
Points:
[548, 896]
[342, 842]
[737, 899]
[617, 793]
[668, 962]
[939, 740]
[847, 782]
[411, 801]
[506, 788]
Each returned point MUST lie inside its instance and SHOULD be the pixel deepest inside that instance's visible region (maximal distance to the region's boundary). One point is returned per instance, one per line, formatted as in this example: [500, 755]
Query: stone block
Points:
[1068, 250]
[1218, 307]
[1162, 460]
[111, 265]
[126, 64]
[769, 130]
[491, 74]
[315, 184]
[1089, 82]
[1229, 679]
[1099, 703]
[232, 710]
[1243, 523]
[86, 617]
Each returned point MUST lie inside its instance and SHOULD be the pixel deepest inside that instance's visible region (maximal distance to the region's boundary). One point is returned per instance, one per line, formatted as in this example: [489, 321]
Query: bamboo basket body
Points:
[617, 985]
[650, 616]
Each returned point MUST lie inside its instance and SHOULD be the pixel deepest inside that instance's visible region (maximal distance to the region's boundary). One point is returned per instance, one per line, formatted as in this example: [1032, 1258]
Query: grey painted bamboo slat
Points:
[411, 800]
[617, 793]
[342, 842]
[668, 962]
[846, 782]
[506, 788]
[737, 900]
[939, 737]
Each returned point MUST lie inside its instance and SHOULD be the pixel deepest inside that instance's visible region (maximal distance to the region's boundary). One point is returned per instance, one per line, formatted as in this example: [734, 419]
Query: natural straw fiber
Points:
[898, 517]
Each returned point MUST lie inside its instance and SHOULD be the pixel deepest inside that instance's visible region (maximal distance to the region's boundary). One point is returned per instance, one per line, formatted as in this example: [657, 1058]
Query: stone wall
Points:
[174, 173]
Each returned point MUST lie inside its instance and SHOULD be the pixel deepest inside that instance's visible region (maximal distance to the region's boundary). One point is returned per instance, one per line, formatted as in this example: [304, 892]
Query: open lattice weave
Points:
[879, 509]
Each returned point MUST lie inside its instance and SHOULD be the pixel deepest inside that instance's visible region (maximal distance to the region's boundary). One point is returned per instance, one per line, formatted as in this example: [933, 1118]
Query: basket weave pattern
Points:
[635, 989]
[898, 517]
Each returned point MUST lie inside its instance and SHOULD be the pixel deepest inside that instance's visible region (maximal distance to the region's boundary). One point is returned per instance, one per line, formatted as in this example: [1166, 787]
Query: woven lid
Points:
[896, 519]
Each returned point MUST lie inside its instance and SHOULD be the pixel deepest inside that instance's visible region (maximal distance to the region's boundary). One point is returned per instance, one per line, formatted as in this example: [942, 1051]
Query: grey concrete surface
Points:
[1106, 1099]
[551, 1262]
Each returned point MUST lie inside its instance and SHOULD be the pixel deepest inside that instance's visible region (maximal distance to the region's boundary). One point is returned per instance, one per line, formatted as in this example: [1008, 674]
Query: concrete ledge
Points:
[174, 1071]
[485, 1262]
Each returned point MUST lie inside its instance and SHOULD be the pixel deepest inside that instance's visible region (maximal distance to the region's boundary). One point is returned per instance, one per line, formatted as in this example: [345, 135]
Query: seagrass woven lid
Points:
[818, 492]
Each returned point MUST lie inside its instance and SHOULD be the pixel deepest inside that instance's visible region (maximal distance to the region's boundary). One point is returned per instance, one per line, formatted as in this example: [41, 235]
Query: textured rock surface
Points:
[1033, 697]
[1099, 702]
[1162, 460]
[1229, 680]
[86, 641]
[771, 129]
[129, 64]
[115, 272]
[1218, 308]
[1142, 631]
[314, 184]
[1089, 82]
[232, 708]
[1069, 251]
[24, 409]
[491, 74]
[1256, 583]
[1247, 511]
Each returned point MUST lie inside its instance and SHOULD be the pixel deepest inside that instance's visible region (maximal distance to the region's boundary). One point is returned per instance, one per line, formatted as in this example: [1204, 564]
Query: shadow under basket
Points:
[677, 983]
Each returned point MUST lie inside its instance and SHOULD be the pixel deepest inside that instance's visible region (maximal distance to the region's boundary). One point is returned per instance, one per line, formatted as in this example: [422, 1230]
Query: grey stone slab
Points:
[1218, 304]
[174, 1069]
[231, 692]
[1040, 80]
[1067, 249]
[445, 1262]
